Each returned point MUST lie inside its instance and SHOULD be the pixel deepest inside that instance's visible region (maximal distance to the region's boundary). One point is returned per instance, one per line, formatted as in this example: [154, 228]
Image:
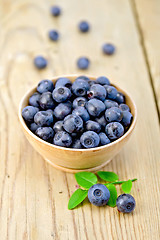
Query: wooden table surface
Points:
[34, 195]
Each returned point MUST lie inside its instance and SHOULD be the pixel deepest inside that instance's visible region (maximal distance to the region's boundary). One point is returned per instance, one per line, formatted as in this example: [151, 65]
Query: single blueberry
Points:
[83, 78]
[110, 103]
[111, 92]
[124, 107]
[120, 98]
[33, 127]
[46, 101]
[55, 11]
[82, 112]
[40, 62]
[98, 195]
[125, 203]
[28, 113]
[77, 144]
[34, 99]
[97, 91]
[126, 119]
[80, 87]
[63, 82]
[91, 82]
[95, 107]
[53, 35]
[62, 110]
[113, 114]
[46, 133]
[62, 139]
[103, 80]
[79, 102]
[43, 118]
[103, 139]
[114, 130]
[45, 86]
[84, 26]
[108, 48]
[83, 63]
[73, 123]
[93, 126]
[61, 94]
[102, 121]
[89, 139]
[58, 126]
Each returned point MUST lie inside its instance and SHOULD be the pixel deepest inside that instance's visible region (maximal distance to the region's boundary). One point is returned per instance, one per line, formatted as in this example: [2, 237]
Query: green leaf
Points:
[77, 197]
[127, 186]
[108, 176]
[86, 179]
[113, 195]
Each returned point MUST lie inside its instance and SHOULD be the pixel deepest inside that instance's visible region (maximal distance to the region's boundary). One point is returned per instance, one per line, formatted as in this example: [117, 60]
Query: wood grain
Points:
[33, 195]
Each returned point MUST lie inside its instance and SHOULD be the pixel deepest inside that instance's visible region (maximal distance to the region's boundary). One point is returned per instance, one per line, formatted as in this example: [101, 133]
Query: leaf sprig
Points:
[88, 179]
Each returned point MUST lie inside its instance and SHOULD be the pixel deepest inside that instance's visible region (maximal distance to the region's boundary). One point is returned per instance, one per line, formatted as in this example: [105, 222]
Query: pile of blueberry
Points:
[83, 114]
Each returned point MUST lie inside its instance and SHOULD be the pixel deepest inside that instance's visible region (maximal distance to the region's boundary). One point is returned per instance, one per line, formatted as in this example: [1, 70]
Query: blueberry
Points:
[125, 203]
[40, 62]
[62, 139]
[50, 111]
[98, 195]
[63, 82]
[111, 92]
[43, 118]
[79, 102]
[127, 118]
[102, 121]
[97, 91]
[28, 113]
[82, 112]
[114, 130]
[83, 78]
[108, 48]
[73, 123]
[103, 80]
[83, 63]
[89, 139]
[46, 133]
[95, 107]
[110, 103]
[46, 101]
[113, 114]
[84, 26]
[103, 139]
[34, 99]
[62, 110]
[77, 144]
[53, 35]
[55, 11]
[61, 94]
[93, 126]
[119, 98]
[58, 126]
[80, 87]
[33, 127]
[124, 107]
[45, 86]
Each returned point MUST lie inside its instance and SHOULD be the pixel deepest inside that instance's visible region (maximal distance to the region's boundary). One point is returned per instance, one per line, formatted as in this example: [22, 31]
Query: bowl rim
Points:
[74, 149]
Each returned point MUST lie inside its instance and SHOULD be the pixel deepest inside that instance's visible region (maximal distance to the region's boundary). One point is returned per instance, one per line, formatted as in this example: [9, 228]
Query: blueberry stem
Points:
[119, 182]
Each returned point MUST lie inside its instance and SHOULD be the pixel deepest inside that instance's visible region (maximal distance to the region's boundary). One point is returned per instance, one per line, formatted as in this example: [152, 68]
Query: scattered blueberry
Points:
[63, 82]
[77, 144]
[110, 103]
[125, 203]
[62, 139]
[119, 98]
[127, 118]
[111, 92]
[58, 126]
[89, 139]
[98, 195]
[83, 63]
[113, 114]
[62, 110]
[55, 11]
[43, 118]
[103, 139]
[73, 123]
[79, 102]
[93, 126]
[108, 48]
[80, 87]
[102, 121]
[95, 107]
[46, 133]
[28, 113]
[33, 127]
[114, 130]
[40, 62]
[97, 91]
[103, 80]
[84, 26]
[34, 99]
[82, 112]
[46, 101]
[53, 35]
[123, 107]
[61, 94]
[45, 86]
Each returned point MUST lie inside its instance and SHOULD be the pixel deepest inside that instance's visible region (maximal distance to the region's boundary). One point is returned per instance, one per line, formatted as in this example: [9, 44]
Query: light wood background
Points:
[33, 195]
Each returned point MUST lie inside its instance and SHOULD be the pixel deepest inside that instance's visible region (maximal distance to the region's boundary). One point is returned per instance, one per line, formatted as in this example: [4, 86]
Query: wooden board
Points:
[33, 195]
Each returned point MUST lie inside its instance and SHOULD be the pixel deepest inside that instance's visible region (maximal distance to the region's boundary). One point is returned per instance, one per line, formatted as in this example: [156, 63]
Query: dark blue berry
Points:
[83, 63]
[33, 127]
[98, 195]
[73, 123]
[119, 98]
[111, 92]
[103, 139]
[40, 62]
[46, 133]
[58, 126]
[45, 86]
[62, 110]
[89, 139]
[55, 11]
[82, 112]
[124, 107]
[80, 87]
[93, 126]
[43, 118]
[34, 99]
[62, 139]
[53, 35]
[103, 80]
[28, 113]
[109, 103]
[113, 114]
[125, 203]
[61, 94]
[108, 48]
[83, 78]
[114, 130]
[79, 102]
[127, 118]
[63, 82]
[77, 144]
[95, 107]
[102, 121]
[46, 101]
[97, 91]
[84, 26]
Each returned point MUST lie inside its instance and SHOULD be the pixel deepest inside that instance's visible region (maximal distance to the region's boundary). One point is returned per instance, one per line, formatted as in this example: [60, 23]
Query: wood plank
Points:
[34, 196]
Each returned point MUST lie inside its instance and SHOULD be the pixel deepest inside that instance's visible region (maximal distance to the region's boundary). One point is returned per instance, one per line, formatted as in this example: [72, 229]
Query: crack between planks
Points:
[142, 42]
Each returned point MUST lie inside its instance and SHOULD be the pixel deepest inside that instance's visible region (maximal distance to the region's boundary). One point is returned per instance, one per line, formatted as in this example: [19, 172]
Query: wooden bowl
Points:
[76, 160]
